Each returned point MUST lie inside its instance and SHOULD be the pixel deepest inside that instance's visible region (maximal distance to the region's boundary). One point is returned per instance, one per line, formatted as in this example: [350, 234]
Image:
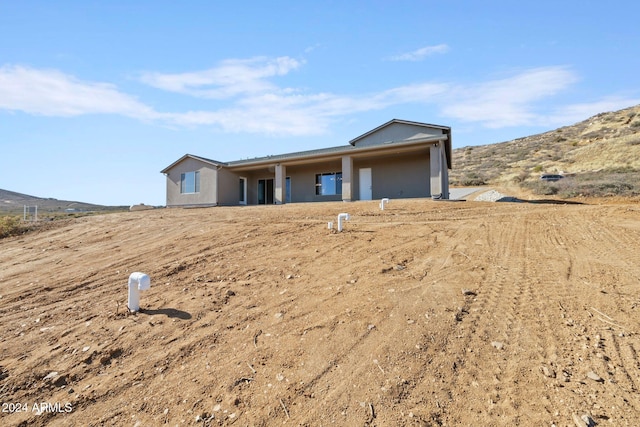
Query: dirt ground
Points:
[429, 313]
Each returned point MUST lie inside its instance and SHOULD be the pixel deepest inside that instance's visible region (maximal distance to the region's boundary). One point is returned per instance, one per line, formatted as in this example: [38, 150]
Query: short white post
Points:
[342, 216]
[137, 282]
[383, 202]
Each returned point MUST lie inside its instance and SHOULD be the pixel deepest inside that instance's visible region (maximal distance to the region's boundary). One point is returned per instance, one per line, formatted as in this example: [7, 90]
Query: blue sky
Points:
[96, 97]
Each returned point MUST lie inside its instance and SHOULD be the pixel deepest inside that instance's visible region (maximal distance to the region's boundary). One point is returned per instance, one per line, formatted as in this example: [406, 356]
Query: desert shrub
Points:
[543, 188]
[521, 177]
[622, 181]
[618, 170]
[537, 168]
[635, 124]
[10, 226]
[598, 188]
[472, 182]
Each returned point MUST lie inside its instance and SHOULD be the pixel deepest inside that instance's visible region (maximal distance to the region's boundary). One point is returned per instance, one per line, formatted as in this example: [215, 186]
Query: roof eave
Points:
[191, 156]
[335, 154]
[392, 121]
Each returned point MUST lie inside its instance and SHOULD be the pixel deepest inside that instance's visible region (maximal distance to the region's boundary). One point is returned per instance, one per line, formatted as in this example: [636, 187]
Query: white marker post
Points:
[137, 282]
[341, 217]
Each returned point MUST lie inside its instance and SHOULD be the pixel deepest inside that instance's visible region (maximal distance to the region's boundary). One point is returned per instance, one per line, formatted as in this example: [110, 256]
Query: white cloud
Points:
[420, 54]
[509, 101]
[302, 114]
[231, 78]
[255, 104]
[578, 112]
[52, 93]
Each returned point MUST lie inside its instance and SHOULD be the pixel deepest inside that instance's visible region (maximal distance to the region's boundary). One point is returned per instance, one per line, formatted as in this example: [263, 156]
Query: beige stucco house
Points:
[399, 159]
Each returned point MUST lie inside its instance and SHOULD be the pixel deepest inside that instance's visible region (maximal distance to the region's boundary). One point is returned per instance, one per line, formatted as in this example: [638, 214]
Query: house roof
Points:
[202, 159]
[323, 152]
[398, 121]
[446, 130]
[297, 154]
[326, 153]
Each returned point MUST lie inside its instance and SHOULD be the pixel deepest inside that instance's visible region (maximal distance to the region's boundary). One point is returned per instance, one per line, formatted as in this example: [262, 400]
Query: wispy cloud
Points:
[52, 93]
[257, 105]
[510, 101]
[254, 103]
[420, 54]
[301, 114]
[576, 112]
[231, 78]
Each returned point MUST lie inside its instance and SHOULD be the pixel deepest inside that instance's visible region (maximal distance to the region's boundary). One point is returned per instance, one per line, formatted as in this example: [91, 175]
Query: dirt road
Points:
[427, 313]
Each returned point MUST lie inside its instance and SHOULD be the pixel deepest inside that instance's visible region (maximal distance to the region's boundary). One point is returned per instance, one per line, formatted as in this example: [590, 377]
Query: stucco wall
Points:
[400, 176]
[303, 181]
[405, 176]
[228, 188]
[397, 132]
[207, 196]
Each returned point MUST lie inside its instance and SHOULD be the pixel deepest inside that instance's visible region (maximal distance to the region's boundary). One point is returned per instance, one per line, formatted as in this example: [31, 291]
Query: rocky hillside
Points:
[600, 156]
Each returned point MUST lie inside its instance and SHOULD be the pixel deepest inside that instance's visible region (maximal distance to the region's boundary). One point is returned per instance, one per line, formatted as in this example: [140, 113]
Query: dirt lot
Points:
[427, 313]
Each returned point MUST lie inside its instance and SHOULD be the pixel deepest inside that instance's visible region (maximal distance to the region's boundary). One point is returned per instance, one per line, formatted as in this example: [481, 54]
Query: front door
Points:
[365, 184]
[266, 194]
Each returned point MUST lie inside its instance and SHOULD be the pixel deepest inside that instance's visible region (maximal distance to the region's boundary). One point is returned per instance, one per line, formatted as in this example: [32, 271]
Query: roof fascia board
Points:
[348, 150]
[404, 122]
[191, 156]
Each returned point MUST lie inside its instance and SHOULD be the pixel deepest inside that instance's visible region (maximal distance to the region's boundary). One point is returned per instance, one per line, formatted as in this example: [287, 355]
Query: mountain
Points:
[600, 156]
[12, 202]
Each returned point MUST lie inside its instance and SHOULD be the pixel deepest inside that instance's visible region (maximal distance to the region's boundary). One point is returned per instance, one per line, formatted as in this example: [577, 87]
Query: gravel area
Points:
[494, 196]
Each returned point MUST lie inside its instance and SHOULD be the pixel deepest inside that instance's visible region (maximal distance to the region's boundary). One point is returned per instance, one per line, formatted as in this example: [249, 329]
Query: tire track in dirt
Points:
[358, 341]
[492, 333]
[612, 347]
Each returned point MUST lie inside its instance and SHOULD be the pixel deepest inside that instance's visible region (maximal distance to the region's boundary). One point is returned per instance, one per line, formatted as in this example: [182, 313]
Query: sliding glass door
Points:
[265, 192]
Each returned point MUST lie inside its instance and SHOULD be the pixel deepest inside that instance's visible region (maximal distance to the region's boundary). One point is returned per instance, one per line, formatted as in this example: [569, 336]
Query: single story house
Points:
[399, 159]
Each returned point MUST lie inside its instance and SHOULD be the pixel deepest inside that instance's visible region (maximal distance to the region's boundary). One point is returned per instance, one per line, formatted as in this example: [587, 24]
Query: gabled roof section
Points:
[402, 131]
[294, 155]
[445, 129]
[191, 156]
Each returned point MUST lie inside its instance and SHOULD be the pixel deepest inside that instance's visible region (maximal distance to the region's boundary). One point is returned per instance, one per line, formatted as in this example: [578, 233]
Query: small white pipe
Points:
[330, 225]
[137, 282]
[342, 216]
[383, 202]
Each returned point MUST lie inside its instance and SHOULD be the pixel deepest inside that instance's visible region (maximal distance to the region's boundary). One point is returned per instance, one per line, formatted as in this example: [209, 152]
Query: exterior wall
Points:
[252, 184]
[228, 187]
[406, 176]
[397, 132]
[207, 196]
[397, 171]
[303, 181]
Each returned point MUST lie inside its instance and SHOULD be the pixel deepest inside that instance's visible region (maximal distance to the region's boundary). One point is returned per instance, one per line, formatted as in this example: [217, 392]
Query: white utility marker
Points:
[137, 282]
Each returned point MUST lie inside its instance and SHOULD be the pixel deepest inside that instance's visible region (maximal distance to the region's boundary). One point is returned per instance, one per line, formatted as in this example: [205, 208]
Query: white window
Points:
[190, 182]
[329, 184]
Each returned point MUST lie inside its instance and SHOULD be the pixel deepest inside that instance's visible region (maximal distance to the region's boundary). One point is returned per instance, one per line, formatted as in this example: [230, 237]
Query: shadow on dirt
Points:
[539, 201]
[169, 312]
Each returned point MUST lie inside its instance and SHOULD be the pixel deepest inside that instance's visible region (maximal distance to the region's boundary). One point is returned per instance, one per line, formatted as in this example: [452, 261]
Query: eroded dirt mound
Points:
[427, 313]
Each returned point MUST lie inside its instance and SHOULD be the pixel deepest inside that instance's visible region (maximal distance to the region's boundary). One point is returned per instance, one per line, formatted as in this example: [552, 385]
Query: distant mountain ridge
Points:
[13, 202]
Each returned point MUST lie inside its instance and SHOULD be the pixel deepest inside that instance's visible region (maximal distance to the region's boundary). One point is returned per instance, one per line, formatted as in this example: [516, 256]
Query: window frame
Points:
[242, 184]
[322, 187]
[186, 184]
